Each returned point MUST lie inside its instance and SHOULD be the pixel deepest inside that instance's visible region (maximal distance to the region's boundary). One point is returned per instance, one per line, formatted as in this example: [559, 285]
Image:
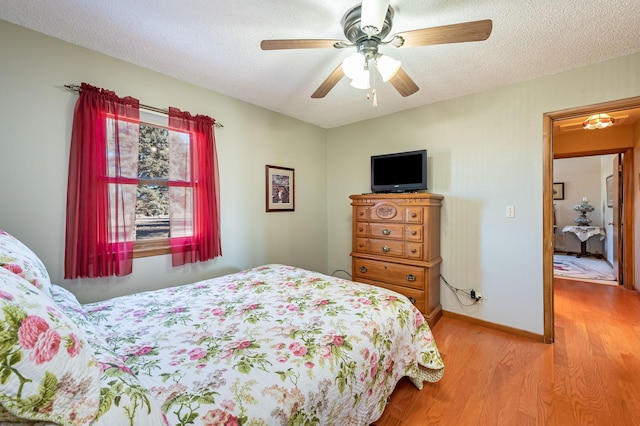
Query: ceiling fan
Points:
[365, 26]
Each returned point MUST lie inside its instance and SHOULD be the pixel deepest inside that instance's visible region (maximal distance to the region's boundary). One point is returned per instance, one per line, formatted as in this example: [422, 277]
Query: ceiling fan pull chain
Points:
[373, 76]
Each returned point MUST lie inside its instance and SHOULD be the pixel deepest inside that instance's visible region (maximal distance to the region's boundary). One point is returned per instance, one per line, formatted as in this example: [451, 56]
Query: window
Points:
[144, 145]
[164, 204]
[139, 183]
[152, 217]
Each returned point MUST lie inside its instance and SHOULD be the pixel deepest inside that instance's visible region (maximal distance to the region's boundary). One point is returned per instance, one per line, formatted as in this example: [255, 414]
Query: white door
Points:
[617, 225]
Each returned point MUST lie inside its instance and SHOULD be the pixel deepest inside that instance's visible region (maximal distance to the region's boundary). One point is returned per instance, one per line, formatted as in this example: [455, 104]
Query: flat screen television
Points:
[399, 172]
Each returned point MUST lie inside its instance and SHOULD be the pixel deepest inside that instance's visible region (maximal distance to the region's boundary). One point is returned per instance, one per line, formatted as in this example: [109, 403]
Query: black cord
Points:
[456, 290]
[341, 270]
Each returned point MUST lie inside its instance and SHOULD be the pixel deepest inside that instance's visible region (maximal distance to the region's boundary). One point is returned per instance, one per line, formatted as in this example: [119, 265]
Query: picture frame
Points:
[280, 189]
[558, 190]
[609, 185]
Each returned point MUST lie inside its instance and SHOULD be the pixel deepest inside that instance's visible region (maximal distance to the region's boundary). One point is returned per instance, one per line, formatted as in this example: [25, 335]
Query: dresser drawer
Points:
[414, 233]
[414, 251]
[361, 213]
[387, 212]
[361, 245]
[402, 275]
[392, 231]
[414, 215]
[362, 229]
[416, 297]
[387, 247]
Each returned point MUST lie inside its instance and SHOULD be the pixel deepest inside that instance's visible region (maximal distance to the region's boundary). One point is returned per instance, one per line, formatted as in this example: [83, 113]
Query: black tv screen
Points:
[399, 172]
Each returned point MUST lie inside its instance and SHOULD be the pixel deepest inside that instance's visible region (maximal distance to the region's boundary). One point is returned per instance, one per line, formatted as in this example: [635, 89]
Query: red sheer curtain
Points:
[101, 191]
[193, 188]
[194, 207]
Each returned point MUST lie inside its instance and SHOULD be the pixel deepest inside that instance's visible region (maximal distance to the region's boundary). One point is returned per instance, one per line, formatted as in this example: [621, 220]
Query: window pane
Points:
[152, 204]
[120, 223]
[128, 134]
[181, 211]
[154, 152]
[181, 157]
[152, 212]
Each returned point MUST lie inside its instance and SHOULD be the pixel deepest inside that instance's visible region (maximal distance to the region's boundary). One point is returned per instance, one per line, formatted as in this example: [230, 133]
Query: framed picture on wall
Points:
[609, 184]
[558, 191]
[280, 189]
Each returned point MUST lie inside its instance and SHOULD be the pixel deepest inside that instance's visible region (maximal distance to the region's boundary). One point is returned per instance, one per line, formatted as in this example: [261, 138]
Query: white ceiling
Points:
[216, 44]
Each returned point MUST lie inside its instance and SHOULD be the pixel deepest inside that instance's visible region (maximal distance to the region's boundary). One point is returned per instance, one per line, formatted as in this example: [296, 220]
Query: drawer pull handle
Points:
[361, 213]
[363, 269]
[414, 233]
[411, 277]
[386, 232]
[414, 215]
[414, 251]
[412, 300]
[386, 249]
[361, 229]
[360, 245]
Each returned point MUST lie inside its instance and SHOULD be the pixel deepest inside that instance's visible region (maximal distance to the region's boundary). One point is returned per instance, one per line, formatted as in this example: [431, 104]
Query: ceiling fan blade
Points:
[329, 83]
[454, 33]
[298, 44]
[403, 83]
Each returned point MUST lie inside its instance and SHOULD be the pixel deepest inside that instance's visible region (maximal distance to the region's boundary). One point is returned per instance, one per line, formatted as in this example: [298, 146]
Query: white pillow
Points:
[21, 260]
[50, 373]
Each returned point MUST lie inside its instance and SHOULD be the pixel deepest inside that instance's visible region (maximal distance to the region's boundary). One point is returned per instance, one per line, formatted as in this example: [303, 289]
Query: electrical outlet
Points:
[478, 295]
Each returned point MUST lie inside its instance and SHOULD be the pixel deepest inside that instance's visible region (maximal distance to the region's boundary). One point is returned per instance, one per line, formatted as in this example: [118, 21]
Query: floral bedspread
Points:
[270, 345]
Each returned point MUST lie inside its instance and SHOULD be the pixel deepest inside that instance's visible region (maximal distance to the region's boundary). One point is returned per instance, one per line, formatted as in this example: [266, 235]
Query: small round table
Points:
[584, 233]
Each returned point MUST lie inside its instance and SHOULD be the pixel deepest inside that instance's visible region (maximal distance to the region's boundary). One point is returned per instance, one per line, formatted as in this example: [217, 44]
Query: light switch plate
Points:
[511, 211]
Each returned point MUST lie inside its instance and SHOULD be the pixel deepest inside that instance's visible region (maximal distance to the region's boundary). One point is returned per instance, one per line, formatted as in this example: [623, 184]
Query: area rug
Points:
[573, 268]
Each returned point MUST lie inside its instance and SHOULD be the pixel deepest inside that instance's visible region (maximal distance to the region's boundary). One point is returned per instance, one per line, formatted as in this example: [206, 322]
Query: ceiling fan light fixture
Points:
[361, 81]
[353, 65]
[387, 66]
[598, 121]
[372, 17]
[366, 26]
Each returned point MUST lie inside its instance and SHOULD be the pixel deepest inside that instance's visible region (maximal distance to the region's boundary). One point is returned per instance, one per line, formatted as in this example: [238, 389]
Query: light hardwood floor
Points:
[589, 376]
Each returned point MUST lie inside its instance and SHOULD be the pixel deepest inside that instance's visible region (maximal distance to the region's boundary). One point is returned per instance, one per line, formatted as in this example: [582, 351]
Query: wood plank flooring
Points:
[589, 376]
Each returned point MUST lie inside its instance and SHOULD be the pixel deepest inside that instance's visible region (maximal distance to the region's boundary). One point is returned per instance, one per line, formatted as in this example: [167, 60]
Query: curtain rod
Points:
[76, 88]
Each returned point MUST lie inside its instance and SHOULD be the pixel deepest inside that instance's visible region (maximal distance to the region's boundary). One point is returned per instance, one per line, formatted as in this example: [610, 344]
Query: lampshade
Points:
[387, 66]
[361, 81]
[598, 121]
[372, 16]
[353, 65]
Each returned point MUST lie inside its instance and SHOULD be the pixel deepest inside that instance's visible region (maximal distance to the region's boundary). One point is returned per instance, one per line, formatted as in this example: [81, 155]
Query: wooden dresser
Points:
[396, 245]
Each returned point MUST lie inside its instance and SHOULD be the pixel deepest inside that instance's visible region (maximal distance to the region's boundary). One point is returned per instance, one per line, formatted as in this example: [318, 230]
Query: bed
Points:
[270, 345]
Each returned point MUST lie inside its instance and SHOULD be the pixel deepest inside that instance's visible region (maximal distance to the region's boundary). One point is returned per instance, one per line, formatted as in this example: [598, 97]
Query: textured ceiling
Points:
[216, 44]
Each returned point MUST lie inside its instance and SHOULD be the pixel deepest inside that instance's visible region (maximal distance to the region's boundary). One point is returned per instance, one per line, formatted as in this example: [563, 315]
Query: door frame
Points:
[547, 202]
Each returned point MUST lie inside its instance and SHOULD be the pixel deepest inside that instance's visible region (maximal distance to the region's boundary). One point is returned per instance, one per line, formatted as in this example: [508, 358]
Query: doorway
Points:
[549, 122]
[584, 239]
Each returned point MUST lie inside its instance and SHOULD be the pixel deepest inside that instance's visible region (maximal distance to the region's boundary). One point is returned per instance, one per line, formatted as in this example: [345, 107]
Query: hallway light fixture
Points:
[598, 121]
